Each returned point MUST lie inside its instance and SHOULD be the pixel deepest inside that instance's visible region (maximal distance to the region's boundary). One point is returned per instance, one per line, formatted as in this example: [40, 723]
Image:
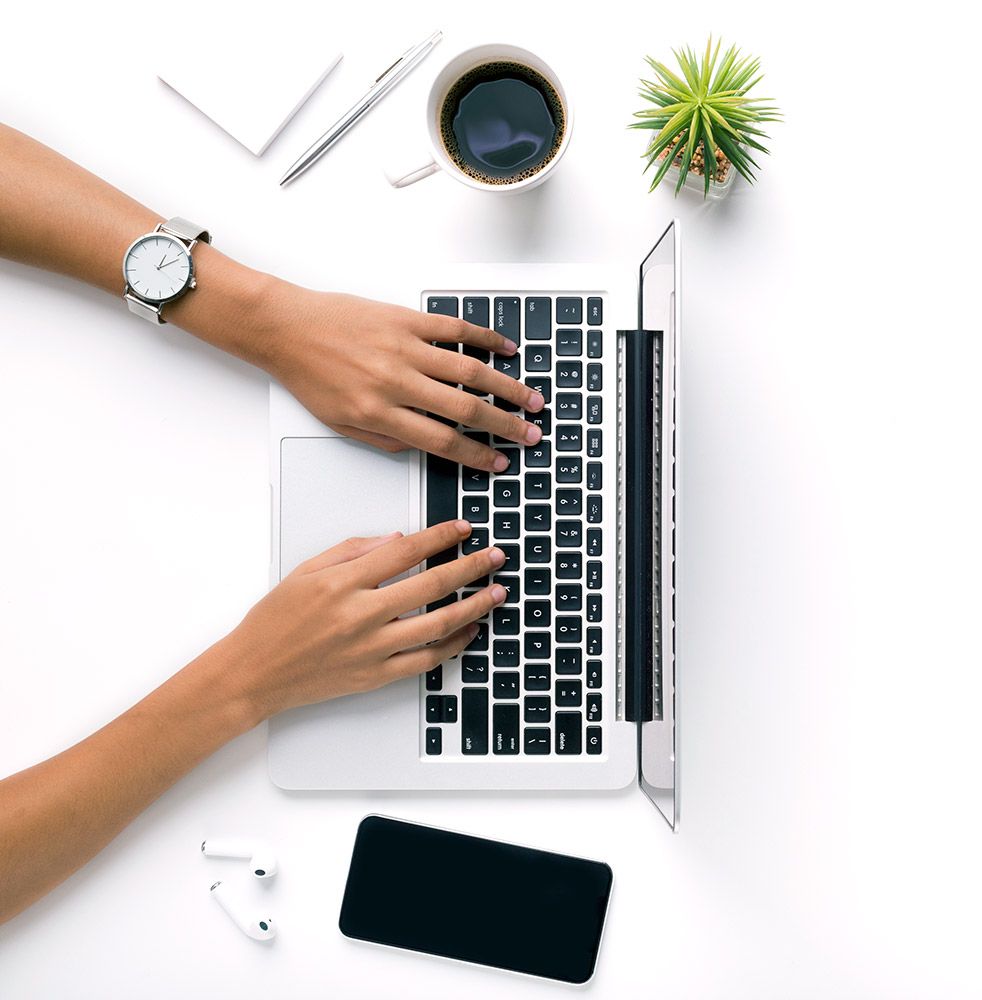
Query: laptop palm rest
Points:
[332, 488]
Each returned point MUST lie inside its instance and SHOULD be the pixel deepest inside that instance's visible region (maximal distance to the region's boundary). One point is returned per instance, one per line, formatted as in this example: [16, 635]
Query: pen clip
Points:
[426, 43]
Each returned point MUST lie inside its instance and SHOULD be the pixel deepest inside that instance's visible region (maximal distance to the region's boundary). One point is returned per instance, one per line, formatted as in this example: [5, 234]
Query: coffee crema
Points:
[502, 122]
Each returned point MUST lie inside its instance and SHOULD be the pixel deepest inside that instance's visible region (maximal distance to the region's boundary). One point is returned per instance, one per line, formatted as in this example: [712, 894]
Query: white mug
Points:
[403, 176]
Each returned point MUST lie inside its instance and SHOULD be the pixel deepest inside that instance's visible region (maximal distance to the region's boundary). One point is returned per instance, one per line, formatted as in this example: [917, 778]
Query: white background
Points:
[830, 823]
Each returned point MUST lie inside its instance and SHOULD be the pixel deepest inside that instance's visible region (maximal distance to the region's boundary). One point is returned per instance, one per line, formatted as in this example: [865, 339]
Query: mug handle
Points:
[399, 175]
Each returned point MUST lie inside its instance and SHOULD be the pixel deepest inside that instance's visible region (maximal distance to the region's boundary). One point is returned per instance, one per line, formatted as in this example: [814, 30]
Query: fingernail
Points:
[534, 434]
[498, 593]
[536, 401]
[393, 534]
[500, 463]
[510, 346]
[496, 556]
[463, 527]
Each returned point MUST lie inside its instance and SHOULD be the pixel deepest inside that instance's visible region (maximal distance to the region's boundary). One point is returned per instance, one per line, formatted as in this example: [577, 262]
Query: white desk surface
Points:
[831, 589]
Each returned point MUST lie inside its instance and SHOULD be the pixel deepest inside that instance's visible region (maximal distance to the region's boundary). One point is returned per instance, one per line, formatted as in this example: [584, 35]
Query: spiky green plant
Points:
[707, 106]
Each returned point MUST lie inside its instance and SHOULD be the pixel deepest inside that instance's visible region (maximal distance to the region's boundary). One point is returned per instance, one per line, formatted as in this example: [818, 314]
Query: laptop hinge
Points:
[641, 469]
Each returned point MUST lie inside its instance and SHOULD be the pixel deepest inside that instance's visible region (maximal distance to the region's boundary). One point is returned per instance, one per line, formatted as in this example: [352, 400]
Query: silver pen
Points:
[400, 68]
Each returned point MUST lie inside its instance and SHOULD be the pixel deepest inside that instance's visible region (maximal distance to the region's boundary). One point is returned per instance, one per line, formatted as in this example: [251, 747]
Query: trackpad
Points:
[334, 487]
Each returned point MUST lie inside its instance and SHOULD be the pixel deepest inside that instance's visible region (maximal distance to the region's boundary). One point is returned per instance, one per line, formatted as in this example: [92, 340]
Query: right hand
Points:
[329, 628]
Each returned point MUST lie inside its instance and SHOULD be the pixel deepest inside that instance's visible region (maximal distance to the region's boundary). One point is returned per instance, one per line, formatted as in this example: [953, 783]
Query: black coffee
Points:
[502, 122]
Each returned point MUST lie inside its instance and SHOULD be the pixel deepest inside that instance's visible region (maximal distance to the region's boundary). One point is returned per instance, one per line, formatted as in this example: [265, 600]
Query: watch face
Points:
[157, 267]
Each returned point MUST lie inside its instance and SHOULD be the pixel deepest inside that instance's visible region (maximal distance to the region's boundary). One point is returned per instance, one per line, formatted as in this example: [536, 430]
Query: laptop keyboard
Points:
[534, 681]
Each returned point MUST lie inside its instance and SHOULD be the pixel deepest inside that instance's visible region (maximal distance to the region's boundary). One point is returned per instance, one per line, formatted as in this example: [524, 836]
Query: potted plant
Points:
[704, 113]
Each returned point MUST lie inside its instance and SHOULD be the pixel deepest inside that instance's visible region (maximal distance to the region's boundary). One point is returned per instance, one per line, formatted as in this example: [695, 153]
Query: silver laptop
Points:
[572, 683]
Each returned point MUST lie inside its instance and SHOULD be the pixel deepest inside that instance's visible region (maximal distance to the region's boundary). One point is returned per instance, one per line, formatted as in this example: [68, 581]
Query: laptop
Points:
[572, 683]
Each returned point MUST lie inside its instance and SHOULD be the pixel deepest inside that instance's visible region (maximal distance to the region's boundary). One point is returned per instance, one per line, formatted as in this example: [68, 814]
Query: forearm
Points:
[56, 215]
[57, 815]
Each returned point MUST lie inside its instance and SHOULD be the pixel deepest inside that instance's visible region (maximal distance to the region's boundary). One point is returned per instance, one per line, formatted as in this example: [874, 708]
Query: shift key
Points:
[505, 737]
[474, 721]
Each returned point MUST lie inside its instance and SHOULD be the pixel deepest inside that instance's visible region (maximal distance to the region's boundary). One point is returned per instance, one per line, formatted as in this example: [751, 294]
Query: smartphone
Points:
[448, 894]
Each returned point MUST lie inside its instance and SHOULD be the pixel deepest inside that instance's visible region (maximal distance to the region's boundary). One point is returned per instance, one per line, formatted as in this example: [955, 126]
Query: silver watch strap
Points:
[183, 229]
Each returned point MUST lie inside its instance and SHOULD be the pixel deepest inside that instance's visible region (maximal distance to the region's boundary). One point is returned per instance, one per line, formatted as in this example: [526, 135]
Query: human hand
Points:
[365, 368]
[328, 629]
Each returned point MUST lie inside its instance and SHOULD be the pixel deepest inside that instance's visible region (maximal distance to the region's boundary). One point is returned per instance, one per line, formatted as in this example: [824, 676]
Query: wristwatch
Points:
[158, 267]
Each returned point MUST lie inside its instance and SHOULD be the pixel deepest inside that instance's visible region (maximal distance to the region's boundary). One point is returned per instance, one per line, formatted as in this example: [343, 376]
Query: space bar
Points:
[441, 499]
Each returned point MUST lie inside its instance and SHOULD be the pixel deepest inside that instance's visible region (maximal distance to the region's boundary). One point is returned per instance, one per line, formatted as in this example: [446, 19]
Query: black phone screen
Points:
[477, 900]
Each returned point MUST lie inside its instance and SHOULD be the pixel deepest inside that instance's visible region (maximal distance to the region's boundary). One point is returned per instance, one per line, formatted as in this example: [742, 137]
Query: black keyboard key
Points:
[474, 721]
[594, 575]
[475, 541]
[477, 311]
[538, 318]
[569, 597]
[506, 493]
[474, 669]
[594, 673]
[594, 410]
[569, 661]
[506, 525]
[594, 641]
[504, 729]
[505, 653]
[536, 741]
[538, 485]
[569, 694]
[434, 742]
[569, 343]
[594, 542]
[512, 587]
[594, 608]
[514, 457]
[441, 708]
[538, 456]
[506, 684]
[594, 378]
[442, 602]
[569, 503]
[481, 437]
[594, 509]
[569, 469]
[511, 366]
[480, 641]
[538, 708]
[568, 733]
[538, 645]
[441, 499]
[594, 344]
[512, 556]
[595, 310]
[594, 708]
[475, 509]
[472, 480]
[538, 548]
[538, 517]
[569, 565]
[594, 476]
[500, 403]
[569, 628]
[434, 678]
[594, 740]
[569, 310]
[594, 443]
[569, 534]
[538, 581]
[538, 358]
[541, 384]
[442, 305]
[506, 318]
[569, 405]
[538, 614]
[542, 420]
[569, 437]
[569, 375]
[537, 677]
[506, 622]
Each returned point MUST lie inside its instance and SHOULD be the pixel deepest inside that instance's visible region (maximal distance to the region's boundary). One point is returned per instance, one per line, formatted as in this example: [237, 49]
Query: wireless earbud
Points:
[258, 928]
[261, 859]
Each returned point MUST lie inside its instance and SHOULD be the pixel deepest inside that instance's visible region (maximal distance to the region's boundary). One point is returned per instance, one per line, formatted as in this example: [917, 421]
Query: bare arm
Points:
[325, 631]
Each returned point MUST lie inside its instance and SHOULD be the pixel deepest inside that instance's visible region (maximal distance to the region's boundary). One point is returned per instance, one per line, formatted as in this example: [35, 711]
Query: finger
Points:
[432, 584]
[438, 439]
[416, 661]
[403, 633]
[382, 441]
[462, 369]
[450, 330]
[350, 548]
[473, 412]
[400, 554]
